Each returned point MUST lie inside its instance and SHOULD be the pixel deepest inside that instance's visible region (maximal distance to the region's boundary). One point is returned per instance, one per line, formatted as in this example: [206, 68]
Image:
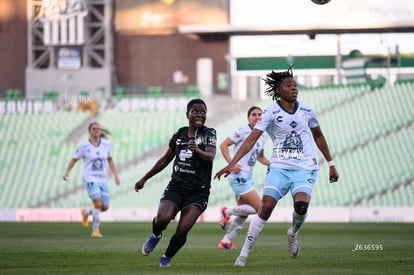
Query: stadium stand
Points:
[370, 134]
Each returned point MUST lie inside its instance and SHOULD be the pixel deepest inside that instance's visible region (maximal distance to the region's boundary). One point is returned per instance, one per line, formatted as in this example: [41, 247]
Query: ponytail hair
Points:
[104, 132]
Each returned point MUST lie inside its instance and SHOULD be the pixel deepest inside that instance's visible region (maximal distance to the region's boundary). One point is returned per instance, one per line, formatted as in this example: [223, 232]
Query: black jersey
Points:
[190, 172]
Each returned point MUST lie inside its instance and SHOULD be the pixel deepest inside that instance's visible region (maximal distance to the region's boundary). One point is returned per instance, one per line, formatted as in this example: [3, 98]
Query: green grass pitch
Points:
[326, 248]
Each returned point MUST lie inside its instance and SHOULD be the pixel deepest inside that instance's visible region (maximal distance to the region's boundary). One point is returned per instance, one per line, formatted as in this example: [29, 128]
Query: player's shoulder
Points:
[207, 130]
[104, 141]
[181, 130]
[243, 130]
[84, 143]
[306, 107]
[274, 107]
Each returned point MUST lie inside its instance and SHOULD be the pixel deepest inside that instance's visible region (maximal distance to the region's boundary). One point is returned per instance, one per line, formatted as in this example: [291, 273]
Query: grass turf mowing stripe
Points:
[326, 248]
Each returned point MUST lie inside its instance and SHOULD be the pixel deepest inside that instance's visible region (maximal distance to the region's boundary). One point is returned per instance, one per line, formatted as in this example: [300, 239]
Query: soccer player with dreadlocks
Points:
[293, 164]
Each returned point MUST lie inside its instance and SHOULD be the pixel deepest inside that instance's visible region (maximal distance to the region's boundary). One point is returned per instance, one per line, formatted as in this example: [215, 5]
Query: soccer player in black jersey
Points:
[193, 149]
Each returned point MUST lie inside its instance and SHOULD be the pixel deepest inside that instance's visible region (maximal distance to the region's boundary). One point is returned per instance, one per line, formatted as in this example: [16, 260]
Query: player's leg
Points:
[188, 218]
[255, 227]
[193, 205]
[96, 218]
[167, 209]
[301, 192]
[275, 188]
[105, 196]
[247, 204]
[247, 199]
[166, 212]
[94, 193]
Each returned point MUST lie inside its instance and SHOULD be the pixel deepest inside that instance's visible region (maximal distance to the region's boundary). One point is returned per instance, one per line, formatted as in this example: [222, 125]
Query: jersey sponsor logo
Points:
[292, 147]
[97, 165]
[185, 154]
[183, 170]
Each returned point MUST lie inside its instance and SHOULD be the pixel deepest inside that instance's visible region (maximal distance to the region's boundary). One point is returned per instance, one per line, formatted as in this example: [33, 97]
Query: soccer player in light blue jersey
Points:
[293, 164]
[241, 179]
[94, 152]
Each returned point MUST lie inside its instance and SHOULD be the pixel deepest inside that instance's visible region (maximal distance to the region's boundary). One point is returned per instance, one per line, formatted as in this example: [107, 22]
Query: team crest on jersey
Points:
[199, 140]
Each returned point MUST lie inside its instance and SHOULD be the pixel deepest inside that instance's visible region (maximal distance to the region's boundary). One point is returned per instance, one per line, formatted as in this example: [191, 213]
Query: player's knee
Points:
[265, 212]
[301, 207]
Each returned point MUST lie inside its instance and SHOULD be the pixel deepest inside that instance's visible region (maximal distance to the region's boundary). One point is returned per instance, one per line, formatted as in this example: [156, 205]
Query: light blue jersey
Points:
[293, 145]
[94, 160]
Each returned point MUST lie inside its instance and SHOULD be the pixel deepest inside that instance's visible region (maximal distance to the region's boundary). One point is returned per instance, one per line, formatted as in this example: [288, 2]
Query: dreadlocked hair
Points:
[273, 79]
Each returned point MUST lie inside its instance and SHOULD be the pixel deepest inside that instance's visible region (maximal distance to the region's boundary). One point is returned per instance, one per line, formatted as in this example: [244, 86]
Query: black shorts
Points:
[183, 200]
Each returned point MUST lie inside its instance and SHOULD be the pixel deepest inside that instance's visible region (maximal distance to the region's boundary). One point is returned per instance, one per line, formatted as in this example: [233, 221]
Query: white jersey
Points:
[94, 160]
[293, 145]
[249, 160]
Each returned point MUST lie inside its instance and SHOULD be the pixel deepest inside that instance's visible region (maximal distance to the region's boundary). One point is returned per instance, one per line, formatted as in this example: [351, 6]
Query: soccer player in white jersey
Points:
[94, 152]
[241, 179]
[293, 164]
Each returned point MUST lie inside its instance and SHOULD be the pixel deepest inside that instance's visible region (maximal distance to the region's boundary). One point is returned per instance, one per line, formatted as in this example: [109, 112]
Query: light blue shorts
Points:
[279, 181]
[98, 190]
[241, 186]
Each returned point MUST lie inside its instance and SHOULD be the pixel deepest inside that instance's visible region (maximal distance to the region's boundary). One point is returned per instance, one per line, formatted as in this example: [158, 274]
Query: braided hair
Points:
[273, 79]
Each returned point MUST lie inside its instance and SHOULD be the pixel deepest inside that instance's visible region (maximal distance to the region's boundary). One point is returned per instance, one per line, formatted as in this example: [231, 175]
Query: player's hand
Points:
[65, 177]
[192, 145]
[237, 168]
[225, 171]
[333, 174]
[139, 185]
[117, 180]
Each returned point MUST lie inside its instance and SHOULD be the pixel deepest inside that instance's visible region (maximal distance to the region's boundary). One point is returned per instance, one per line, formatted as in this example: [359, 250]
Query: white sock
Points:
[255, 227]
[88, 211]
[96, 213]
[297, 222]
[234, 228]
[241, 210]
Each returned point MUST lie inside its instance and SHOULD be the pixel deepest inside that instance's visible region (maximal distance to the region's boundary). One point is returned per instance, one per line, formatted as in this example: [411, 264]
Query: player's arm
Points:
[210, 149]
[243, 150]
[224, 148]
[158, 166]
[209, 153]
[112, 166]
[323, 147]
[71, 163]
[263, 159]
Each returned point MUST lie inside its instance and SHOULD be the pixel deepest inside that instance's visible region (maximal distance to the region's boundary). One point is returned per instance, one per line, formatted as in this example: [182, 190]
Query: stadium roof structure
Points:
[219, 32]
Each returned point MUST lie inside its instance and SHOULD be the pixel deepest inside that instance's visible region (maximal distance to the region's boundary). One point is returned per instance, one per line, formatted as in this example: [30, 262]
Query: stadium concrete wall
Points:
[280, 214]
